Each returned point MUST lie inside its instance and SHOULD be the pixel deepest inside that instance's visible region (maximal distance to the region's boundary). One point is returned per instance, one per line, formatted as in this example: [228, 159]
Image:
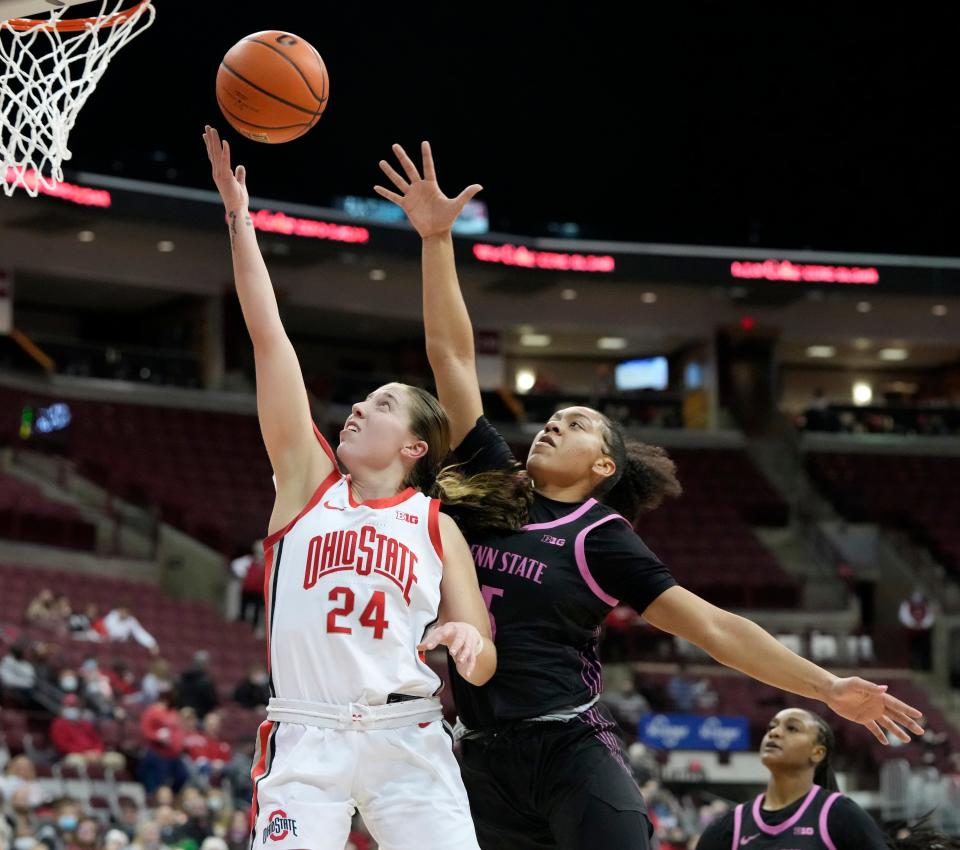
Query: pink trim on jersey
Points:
[824, 832]
[737, 825]
[433, 523]
[570, 517]
[325, 485]
[581, 556]
[327, 450]
[776, 830]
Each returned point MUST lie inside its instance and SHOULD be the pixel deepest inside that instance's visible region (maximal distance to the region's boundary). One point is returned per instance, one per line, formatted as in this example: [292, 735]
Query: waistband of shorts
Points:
[355, 715]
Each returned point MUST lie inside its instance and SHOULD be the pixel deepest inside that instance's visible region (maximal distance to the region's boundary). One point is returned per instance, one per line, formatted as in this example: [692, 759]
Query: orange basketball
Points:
[272, 86]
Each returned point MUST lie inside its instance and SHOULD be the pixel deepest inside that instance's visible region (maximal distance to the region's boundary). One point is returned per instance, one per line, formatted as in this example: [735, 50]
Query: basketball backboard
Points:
[25, 8]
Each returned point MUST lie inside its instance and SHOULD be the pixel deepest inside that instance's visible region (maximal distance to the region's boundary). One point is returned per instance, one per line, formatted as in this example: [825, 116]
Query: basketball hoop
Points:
[50, 68]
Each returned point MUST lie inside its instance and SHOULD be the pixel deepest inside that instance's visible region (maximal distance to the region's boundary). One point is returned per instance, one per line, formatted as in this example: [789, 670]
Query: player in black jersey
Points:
[802, 808]
[541, 760]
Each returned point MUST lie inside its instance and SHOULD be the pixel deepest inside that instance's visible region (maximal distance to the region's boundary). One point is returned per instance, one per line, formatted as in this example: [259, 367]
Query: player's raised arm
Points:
[298, 460]
[446, 321]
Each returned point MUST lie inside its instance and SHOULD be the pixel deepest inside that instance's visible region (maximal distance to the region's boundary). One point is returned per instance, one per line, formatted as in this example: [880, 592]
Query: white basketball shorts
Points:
[405, 782]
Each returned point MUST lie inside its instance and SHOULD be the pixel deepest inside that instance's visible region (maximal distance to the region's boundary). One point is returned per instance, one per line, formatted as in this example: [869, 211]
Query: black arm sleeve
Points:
[851, 828]
[483, 449]
[624, 567]
[719, 835]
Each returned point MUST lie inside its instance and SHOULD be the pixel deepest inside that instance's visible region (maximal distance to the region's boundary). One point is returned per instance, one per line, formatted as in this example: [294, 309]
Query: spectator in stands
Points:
[122, 681]
[78, 741]
[254, 691]
[62, 610]
[157, 679]
[148, 837]
[17, 675]
[95, 689]
[916, 615]
[162, 764]
[251, 569]
[23, 815]
[683, 689]
[6, 830]
[68, 681]
[21, 774]
[66, 815]
[116, 839]
[238, 832]
[42, 609]
[627, 705]
[199, 823]
[195, 688]
[84, 625]
[127, 817]
[87, 834]
[120, 624]
[208, 753]
[46, 665]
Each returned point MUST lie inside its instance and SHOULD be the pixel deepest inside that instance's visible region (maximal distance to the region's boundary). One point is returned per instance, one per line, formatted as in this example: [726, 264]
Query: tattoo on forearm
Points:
[233, 224]
[248, 221]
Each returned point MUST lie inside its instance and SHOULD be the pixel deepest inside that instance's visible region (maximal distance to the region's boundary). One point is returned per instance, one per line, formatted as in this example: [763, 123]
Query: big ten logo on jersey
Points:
[553, 541]
[413, 519]
[366, 551]
[279, 827]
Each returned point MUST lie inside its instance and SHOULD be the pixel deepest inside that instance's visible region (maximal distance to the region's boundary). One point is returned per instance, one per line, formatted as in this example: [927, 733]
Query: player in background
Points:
[802, 808]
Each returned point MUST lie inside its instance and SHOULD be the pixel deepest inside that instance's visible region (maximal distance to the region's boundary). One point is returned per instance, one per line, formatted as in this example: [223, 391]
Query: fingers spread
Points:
[429, 171]
[390, 196]
[409, 168]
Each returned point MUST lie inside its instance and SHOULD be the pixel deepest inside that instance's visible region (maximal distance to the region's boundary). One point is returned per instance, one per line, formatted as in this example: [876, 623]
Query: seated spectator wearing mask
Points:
[78, 741]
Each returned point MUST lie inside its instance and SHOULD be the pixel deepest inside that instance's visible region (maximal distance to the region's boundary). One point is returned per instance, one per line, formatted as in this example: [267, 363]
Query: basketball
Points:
[272, 86]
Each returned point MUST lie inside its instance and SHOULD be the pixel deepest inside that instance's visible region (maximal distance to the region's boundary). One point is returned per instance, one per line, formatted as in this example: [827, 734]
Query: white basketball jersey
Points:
[350, 591]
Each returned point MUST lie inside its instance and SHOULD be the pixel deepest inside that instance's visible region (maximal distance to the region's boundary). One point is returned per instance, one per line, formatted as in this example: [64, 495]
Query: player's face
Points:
[377, 429]
[567, 448]
[790, 741]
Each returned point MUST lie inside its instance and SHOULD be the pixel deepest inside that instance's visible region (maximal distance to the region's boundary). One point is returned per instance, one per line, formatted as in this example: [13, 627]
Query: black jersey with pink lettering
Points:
[548, 588]
[821, 820]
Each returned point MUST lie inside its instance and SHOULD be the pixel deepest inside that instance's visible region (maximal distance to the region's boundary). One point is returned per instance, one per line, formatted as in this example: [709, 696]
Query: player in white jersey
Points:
[359, 567]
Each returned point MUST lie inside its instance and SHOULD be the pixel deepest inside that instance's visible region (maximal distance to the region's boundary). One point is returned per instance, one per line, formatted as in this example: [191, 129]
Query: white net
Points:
[47, 75]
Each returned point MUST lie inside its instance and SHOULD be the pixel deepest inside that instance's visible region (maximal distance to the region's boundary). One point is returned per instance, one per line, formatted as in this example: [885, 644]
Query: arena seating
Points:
[917, 493]
[26, 515]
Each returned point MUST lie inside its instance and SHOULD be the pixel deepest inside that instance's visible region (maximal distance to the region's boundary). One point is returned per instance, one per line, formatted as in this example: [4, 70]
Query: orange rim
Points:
[74, 24]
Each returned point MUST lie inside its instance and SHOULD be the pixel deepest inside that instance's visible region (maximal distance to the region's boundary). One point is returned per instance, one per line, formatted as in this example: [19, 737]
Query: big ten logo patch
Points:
[804, 830]
[413, 519]
[279, 826]
[553, 541]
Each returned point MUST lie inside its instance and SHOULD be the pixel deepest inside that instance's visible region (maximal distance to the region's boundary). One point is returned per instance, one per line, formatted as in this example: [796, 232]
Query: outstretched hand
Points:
[463, 642]
[232, 184]
[429, 210]
[864, 702]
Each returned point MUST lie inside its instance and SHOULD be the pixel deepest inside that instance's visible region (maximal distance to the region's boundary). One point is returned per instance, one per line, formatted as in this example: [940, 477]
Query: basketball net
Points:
[50, 68]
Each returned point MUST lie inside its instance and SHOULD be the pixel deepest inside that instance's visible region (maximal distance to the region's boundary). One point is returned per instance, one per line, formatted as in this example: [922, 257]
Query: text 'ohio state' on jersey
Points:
[351, 588]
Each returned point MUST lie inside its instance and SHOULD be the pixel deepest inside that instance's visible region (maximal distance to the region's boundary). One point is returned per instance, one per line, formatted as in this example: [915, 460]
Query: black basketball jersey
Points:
[822, 820]
[548, 589]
